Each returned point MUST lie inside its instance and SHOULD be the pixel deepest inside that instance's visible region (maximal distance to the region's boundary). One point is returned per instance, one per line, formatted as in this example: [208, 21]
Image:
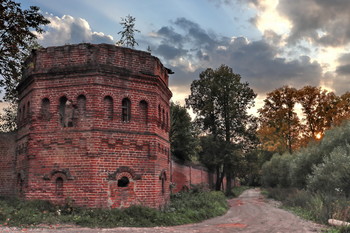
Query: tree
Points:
[319, 108]
[221, 101]
[280, 125]
[184, 141]
[18, 33]
[128, 38]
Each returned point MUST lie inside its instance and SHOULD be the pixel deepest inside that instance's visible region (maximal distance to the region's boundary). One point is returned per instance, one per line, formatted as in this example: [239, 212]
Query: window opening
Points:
[126, 110]
[24, 112]
[45, 109]
[159, 115]
[28, 109]
[123, 182]
[66, 111]
[108, 107]
[81, 105]
[59, 186]
[20, 183]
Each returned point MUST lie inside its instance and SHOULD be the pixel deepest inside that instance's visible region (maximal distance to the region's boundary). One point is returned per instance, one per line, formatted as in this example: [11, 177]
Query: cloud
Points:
[258, 62]
[70, 30]
[322, 21]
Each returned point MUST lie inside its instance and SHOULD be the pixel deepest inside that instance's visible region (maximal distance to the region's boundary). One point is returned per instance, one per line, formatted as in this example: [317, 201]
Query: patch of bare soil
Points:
[251, 212]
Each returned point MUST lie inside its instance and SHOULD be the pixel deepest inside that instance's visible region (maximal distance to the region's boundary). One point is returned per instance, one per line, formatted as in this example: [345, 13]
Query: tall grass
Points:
[185, 207]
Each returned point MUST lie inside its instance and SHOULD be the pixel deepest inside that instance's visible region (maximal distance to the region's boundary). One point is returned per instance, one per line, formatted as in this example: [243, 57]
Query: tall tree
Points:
[221, 101]
[18, 33]
[319, 108]
[184, 140]
[279, 123]
[128, 33]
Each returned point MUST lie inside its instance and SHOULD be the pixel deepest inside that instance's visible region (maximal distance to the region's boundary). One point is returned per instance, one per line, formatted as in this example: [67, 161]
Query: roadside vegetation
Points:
[314, 181]
[185, 207]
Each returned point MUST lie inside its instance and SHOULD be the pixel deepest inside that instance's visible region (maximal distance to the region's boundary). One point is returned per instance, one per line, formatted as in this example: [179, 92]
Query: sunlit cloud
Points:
[269, 19]
[70, 30]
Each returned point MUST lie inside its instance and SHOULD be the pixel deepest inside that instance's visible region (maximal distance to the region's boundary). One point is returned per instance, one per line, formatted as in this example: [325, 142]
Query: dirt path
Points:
[251, 212]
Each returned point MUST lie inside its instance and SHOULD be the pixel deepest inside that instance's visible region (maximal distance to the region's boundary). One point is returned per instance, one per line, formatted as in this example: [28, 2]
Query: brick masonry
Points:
[93, 125]
[7, 164]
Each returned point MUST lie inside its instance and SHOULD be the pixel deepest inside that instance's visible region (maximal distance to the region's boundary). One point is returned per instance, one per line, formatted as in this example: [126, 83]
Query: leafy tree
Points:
[213, 153]
[319, 108]
[221, 101]
[280, 124]
[343, 109]
[128, 33]
[183, 136]
[18, 31]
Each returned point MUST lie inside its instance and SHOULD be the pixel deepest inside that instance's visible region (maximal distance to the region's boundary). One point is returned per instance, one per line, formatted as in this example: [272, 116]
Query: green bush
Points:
[333, 175]
[276, 172]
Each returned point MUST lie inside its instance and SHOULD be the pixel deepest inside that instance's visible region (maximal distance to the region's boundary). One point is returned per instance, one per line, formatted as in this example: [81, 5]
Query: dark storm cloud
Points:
[257, 62]
[170, 52]
[170, 35]
[323, 21]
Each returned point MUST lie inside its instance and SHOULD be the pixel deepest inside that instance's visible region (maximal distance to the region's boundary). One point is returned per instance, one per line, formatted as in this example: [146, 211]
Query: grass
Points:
[313, 206]
[184, 208]
[238, 190]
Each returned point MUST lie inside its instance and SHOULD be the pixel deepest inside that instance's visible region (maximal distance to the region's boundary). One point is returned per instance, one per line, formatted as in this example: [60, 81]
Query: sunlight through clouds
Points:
[268, 18]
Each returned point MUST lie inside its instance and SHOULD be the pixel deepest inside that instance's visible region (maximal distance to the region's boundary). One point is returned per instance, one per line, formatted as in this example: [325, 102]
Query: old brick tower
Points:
[93, 127]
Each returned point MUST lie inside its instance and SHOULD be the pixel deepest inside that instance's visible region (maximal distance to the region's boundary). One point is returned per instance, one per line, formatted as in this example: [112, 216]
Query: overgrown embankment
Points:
[314, 180]
[185, 207]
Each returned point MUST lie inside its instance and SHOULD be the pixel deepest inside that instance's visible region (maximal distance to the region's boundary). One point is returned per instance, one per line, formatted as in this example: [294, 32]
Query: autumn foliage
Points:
[291, 118]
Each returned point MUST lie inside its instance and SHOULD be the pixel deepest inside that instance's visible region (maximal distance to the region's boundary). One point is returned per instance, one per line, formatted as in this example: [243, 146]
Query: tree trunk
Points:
[229, 181]
[218, 182]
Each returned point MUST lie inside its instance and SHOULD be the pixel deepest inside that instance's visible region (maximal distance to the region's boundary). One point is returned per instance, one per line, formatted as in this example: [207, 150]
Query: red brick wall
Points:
[7, 164]
[86, 161]
[185, 175]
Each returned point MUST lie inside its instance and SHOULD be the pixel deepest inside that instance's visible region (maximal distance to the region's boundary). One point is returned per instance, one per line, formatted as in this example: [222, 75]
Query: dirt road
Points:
[251, 212]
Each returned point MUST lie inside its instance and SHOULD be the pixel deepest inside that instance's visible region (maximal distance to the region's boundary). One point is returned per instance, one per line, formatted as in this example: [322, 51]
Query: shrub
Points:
[276, 171]
[332, 176]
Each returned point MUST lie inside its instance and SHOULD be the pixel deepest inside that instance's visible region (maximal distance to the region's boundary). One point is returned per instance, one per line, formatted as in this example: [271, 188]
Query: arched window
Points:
[144, 112]
[126, 110]
[62, 108]
[159, 115]
[108, 107]
[28, 109]
[19, 117]
[66, 111]
[123, 182]
[20, 184]
[24, 112]
[45, 109]
[163, 119]
[167, 121]
[163, 180]
[59, 186]
[81, 106]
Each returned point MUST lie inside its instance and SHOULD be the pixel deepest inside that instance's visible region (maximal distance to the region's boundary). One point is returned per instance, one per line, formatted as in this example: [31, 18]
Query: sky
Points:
[270, 43]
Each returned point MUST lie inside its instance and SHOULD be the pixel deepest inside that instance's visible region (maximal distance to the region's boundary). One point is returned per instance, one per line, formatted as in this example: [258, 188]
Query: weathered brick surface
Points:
[7, 163]
[185, 175]
[79, 145]
[93, 128]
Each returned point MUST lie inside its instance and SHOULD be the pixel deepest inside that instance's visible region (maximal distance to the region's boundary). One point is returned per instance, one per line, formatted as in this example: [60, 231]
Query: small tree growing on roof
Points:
[128, 32]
